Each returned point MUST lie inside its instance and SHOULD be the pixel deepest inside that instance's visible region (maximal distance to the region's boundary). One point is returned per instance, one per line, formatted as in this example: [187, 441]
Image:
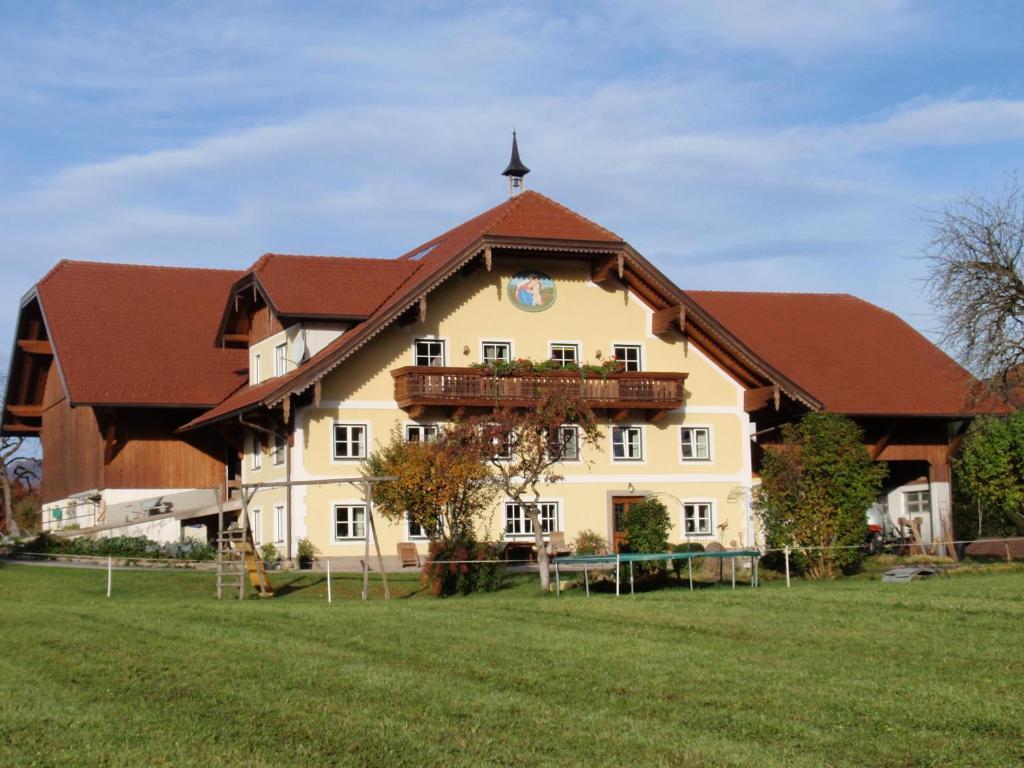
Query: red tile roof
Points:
[140, 335]
[329, 286]
[247, 396]
[529, 215]
[854, 357]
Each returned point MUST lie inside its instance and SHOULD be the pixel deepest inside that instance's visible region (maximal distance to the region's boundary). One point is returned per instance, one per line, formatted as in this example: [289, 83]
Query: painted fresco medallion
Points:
[532, 291]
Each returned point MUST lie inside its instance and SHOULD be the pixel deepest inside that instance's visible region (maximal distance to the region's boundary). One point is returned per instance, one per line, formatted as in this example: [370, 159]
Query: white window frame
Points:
[575, 345]
[255, 378]
[364, 446]
[511, 449]
[256, 444]
[523, 522]
[641, 442]
[349, 505]
[711, 446]
[433, 340]
[484, 343]
[280, 359]
[257, 535]
[579, 450]
[917, 494]
[280, 524]
[696, 503]
[412, 427]
[630, 345]
[409, 535]
[280, 446]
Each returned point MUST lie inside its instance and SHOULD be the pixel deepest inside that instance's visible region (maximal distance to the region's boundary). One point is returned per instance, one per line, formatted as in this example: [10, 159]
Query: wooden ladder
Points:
[237, 559]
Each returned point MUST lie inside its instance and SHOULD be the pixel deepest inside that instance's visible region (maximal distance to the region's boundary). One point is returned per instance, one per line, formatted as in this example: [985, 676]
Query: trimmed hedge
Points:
[129, 547]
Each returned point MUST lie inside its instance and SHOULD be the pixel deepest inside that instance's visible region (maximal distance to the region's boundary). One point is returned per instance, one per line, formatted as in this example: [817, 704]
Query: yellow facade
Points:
[465, 312]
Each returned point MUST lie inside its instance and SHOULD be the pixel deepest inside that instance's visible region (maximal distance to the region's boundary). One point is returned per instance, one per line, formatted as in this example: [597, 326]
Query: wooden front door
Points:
[619, 506]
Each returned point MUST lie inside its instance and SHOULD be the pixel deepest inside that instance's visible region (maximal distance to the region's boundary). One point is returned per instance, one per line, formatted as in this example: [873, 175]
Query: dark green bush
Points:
[462, 578]
[686, 546]
[647, 525]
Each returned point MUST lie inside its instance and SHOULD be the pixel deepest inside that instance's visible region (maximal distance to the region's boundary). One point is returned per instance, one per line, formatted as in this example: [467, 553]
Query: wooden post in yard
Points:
[786, 552]
[110, 574]
[328, 580]
[376, 543]
[689, 570]
[586, 580]
[618, 558]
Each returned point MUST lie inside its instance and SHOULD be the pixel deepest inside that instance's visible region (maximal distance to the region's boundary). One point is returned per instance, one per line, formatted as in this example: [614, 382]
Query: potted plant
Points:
[306, 551]
[269, 555]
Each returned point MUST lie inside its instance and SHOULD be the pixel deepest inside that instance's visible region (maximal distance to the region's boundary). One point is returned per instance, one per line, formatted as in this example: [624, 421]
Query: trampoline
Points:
[637, 557]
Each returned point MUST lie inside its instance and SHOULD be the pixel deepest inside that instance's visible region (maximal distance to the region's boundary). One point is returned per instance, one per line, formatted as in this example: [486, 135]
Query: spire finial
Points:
[516, 170]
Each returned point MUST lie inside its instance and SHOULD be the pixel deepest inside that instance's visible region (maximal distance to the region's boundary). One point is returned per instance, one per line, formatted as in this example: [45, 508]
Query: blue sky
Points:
[795, 145]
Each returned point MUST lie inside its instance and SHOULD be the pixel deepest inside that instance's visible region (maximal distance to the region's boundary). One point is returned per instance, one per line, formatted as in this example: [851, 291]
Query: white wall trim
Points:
[674, 479]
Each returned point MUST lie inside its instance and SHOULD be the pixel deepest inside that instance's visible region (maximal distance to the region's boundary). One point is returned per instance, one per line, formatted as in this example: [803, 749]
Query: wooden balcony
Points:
[417, 387]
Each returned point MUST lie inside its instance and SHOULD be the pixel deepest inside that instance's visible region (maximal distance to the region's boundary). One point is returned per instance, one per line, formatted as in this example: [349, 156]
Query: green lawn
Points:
[854, 673]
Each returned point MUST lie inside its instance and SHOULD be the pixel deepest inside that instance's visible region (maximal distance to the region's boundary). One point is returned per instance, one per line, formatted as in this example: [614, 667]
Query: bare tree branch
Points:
[976, 282]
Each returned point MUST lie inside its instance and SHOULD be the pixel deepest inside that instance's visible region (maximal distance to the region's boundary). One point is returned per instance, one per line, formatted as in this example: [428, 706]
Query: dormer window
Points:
[280, 360]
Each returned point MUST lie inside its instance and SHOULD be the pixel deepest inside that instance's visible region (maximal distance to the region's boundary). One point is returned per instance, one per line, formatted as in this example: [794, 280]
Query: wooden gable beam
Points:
[21, 428]
[110, 438]
[664, 319]
[883, 442]
[602, 271]
[423, 308]
[35, 346]
[26, 411]
[756, 399]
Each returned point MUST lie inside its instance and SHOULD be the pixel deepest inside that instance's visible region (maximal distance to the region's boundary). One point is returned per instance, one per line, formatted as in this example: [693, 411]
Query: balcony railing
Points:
[419, 386]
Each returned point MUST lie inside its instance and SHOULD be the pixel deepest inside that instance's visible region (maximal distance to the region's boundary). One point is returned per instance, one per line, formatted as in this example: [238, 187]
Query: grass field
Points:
[849, 673]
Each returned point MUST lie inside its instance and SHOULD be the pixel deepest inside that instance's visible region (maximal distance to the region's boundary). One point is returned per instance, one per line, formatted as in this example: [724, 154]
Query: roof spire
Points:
[515, 170]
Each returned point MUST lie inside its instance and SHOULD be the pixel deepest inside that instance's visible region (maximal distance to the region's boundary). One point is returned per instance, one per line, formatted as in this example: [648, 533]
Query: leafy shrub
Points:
[686, 546]
[128, 547]
[462, 578]
[647, 525]
[589, 542]
[269, 553]
[815, 488]
[28, 513]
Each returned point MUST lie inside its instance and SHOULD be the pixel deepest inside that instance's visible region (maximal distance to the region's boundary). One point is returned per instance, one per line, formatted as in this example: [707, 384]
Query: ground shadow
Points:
[299, 583]
[606, 585]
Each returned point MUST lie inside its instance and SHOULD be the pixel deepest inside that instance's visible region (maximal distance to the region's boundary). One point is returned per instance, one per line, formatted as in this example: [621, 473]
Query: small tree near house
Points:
[444, 485]
[815, 488]
[990, 473]
[524, 447]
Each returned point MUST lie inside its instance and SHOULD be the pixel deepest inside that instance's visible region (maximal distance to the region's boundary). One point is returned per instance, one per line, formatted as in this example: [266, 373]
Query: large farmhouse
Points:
[145, 383]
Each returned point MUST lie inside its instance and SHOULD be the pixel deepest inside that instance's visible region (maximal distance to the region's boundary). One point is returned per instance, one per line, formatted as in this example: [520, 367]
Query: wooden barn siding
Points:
[148, 454]
[71, 442]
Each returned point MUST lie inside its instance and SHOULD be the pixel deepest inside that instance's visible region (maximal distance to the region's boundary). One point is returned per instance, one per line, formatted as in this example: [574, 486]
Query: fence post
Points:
[110, 573]
[328, 580]
[786, 552]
